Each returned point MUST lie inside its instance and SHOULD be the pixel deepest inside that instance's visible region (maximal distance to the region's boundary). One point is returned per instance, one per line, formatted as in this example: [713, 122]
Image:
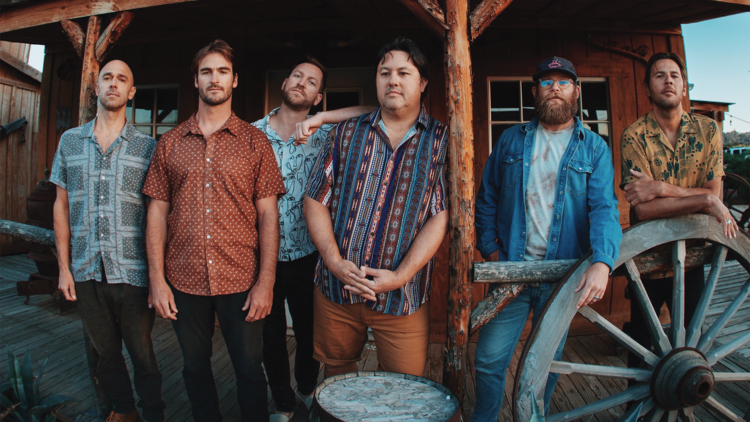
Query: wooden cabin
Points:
[608, 41]
[20, 85]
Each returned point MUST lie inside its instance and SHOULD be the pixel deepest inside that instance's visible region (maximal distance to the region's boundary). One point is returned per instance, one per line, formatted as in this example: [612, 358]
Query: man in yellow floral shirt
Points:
[671, 166]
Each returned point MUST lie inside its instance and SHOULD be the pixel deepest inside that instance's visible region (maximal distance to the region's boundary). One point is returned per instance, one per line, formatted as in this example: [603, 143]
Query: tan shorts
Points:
[340, 334]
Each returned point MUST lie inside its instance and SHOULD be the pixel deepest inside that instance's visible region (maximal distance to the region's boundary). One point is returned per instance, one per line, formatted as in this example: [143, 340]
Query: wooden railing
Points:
[27, 232]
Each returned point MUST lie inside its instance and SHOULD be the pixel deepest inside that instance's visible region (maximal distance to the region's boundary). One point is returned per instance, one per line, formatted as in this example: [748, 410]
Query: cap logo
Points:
[554, 64]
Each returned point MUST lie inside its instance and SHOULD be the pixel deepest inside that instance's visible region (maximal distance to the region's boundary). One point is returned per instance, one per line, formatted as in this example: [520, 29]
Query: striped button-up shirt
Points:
[107, 208]
[379, 199]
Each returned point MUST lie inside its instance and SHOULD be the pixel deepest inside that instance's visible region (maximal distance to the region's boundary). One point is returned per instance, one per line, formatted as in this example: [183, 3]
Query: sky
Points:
[718, 60]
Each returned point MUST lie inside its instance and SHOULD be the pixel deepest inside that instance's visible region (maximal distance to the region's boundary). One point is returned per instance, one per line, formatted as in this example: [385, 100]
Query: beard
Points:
[112, 104]
[214, 98]
[297, 104]
[664, 103]
[555, 114]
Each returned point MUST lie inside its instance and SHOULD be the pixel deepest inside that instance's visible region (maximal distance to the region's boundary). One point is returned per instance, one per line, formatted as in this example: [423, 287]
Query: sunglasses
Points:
[563, 84]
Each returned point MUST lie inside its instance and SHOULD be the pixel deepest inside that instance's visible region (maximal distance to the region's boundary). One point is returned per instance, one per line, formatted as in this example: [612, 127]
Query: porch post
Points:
[461, 193]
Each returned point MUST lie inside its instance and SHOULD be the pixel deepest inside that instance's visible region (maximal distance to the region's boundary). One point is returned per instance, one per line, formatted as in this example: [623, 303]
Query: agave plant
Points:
[20, 396]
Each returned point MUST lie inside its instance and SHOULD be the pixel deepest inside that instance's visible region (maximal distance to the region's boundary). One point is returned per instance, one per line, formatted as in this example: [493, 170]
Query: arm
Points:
[485, 211]
[645, 189]
[160, 294]
[605, 233]
[423, 248]
[307, 127]
[260, 298]
[61, 224]
[318, 218]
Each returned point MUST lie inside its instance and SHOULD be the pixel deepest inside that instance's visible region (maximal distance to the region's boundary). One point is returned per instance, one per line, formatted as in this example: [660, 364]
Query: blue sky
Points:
[718, 60]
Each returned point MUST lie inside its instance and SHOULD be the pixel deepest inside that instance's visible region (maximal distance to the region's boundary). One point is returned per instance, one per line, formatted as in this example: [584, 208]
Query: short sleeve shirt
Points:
[696, 158]
[212, 185]
[295, 163]
[107, 208]
[380, 198]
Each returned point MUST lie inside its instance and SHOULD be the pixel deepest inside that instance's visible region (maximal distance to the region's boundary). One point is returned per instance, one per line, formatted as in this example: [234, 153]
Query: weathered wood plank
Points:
[461, 187]
[658, 336]
[75, 34]
[568, 368]
[723, 410]
[631, 394]
[89, 74]
[18, 84]
[19, 64]
[36, 13]
[678, 295]
[619, 336]
[27, 232]
[111, 34]
[484, 14]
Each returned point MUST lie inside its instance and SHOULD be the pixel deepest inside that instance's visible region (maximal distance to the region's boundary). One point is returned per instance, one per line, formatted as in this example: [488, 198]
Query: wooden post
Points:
[461, 191]
[90, 73]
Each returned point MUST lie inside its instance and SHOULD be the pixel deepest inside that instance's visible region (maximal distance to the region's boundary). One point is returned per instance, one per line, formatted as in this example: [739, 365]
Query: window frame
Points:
[521, 79]
[154, 124]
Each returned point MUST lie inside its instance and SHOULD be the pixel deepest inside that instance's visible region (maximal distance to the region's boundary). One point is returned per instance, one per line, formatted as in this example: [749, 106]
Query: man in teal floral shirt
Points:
[296, 139]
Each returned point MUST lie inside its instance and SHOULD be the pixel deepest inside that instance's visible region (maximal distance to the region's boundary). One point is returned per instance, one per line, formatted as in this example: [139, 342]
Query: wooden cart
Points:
[678, 374]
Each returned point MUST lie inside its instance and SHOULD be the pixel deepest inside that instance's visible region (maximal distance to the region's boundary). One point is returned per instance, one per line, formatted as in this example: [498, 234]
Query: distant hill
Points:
[735, 138]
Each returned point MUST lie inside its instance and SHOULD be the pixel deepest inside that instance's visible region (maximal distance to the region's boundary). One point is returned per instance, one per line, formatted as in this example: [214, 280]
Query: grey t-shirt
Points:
[549, 148]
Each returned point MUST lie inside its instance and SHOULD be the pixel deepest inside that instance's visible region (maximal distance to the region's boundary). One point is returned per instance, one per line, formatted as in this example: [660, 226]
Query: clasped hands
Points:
[357, 282]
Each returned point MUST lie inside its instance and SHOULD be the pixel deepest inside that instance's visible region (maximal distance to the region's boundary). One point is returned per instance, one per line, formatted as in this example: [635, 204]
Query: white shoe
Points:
[278, 417]
[307, 400]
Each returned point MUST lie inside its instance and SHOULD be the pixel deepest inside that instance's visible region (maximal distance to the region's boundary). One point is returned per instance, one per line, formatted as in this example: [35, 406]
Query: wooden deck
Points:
[38, 327]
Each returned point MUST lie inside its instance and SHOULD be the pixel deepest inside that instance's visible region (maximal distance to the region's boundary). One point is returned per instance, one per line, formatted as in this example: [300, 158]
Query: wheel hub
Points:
[682, 378]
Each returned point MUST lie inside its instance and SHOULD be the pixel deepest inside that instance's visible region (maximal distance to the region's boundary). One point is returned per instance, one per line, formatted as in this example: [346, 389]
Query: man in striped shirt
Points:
[376, 211]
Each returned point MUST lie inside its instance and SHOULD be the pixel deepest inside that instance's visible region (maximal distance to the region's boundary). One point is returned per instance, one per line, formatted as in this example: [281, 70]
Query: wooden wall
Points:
[19, 96]
[498, 52]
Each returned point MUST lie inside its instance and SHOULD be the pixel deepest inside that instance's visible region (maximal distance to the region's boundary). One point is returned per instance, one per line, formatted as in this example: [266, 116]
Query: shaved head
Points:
[115, 85]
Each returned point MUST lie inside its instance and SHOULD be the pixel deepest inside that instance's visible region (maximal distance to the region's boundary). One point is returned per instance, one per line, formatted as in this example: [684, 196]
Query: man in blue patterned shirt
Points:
[295, 270]
[100, 219]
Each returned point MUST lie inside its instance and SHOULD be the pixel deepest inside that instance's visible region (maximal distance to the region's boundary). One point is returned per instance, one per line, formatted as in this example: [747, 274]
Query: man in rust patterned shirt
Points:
[214, 184]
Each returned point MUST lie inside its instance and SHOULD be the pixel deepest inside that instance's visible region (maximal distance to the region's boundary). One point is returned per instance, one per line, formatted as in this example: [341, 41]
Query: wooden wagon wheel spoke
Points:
[637, 392]
[617, 334]
[720, 408]
[678, 295]
[687, 414]
[731, 376]
[707, 339]
[654, 415]
[694, 329]
[600, 370]
[642, 409]
[672, 416]
[658, 336]
[722, 351]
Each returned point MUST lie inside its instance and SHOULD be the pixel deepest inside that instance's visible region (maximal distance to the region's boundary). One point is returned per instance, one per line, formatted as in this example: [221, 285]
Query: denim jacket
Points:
[585, 194]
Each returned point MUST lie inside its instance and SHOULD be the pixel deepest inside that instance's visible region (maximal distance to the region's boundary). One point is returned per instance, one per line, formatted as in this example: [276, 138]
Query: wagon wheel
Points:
[737, 199]
[679, 373]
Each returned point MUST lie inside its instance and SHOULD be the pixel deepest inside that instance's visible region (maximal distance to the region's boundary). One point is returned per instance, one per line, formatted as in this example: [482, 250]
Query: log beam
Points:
[461, 192]
[430, 13]
[75, 35]
[484, 14]
[90, 73]
[20, 65]
[111, 34]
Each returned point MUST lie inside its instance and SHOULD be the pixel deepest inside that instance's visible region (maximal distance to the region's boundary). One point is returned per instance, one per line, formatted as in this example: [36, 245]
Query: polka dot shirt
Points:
[212, 186]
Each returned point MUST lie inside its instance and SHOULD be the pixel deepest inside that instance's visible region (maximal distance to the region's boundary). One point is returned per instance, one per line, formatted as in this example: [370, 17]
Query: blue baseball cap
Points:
[555, 64]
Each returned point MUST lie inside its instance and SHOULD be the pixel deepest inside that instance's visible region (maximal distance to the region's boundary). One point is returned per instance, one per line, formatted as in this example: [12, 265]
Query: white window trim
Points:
[153, 125]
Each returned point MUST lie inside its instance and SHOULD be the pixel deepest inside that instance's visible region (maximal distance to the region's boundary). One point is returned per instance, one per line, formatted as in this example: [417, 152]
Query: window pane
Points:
[167, 106]
[144, 106]
[602, 129]
[594, 99]
[505, 101]
[161, 130]
[529, 112]
[337, 100]
[129, 111]
[145, 129]
[497, 130]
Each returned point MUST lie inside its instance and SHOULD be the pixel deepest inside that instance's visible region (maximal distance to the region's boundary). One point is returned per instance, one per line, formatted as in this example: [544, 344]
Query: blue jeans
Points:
[497, 341]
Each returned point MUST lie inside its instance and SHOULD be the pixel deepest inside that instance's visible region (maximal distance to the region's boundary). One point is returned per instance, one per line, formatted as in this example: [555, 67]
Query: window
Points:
[336, 98]
[511, 103]
[153, 109]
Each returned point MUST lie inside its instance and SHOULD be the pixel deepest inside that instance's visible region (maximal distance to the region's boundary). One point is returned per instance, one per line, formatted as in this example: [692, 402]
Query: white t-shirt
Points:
[549, 148]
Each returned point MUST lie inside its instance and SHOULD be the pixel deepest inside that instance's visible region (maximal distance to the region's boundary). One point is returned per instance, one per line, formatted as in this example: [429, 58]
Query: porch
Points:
[38, 327]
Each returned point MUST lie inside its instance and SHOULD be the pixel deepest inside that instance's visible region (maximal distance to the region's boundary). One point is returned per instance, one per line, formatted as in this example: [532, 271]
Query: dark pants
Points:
[112, 313]
[195, 329]
[294, 282]
[660, 291]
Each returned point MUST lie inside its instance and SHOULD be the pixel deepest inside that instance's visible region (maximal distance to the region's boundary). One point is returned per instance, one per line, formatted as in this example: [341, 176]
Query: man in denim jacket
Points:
[547, 193]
